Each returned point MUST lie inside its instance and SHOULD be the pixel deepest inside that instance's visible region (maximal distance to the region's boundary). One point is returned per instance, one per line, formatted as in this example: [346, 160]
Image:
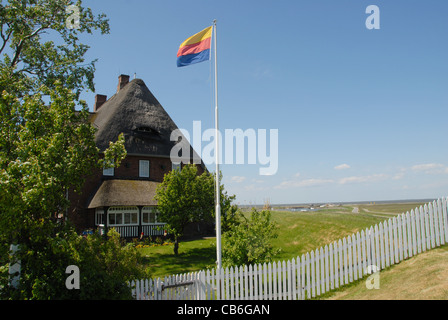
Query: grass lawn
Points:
[299, 232]
[193, 256]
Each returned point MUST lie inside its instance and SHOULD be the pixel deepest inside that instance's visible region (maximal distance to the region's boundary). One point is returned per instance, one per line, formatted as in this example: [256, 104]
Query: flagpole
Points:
[218, 192]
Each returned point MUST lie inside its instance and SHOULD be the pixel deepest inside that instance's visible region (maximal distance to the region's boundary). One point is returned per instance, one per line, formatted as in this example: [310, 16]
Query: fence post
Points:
[436, 223]
[441, 233]
[202, 286]
[445, 216]
[331, 266]
[358, 251]
[345, 253]
[394, 222]
[308, 272]
[327, 270]
[417, 229]
[381, 236]
[368, 253]
[317, 271]
[270, 281]
[400, 238]
[303, 277]
[431, 225]
[279, 279]
[405, 227]
[341, 264]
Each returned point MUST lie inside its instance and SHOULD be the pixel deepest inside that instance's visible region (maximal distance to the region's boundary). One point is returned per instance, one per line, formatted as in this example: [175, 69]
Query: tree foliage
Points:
[39, 48]
[46, 141]
[250, 240]
[184, 197]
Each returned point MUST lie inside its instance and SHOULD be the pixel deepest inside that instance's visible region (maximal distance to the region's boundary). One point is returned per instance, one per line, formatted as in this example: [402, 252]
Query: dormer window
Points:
[147, 132]
[143, 169]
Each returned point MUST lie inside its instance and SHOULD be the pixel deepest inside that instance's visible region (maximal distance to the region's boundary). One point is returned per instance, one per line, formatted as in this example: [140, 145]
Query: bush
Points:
[249, 240]
[105, 267]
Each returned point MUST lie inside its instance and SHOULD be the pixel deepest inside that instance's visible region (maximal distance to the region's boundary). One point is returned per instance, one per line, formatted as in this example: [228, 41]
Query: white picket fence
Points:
[315, 272]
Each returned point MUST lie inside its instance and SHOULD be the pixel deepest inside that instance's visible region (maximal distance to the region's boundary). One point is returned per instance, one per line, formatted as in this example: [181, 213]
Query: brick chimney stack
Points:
[99, 101]
[122, 81]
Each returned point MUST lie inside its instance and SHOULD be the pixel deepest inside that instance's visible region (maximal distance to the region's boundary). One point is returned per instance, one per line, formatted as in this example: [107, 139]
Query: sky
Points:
[361, 113]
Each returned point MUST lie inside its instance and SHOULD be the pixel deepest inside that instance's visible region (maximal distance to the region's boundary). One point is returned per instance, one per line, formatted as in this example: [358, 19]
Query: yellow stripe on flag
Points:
[198, 37]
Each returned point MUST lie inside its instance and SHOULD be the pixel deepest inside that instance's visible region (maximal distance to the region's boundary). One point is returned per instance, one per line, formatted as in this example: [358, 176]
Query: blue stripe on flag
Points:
[188, 59]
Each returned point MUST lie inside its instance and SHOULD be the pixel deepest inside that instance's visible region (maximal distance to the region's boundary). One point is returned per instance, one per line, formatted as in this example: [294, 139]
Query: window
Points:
[122, 216]
[99, 214]
[175, 166]
[149, 215]
[144, 169]
[108, 172]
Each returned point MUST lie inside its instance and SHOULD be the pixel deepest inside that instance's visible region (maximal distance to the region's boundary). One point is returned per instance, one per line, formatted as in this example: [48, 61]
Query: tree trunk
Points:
[176, 245]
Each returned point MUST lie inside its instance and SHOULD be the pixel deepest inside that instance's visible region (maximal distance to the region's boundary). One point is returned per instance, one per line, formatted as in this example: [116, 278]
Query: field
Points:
[299, 232]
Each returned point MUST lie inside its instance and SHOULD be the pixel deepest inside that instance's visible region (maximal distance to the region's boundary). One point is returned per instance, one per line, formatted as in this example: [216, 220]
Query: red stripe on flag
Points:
[194, 48]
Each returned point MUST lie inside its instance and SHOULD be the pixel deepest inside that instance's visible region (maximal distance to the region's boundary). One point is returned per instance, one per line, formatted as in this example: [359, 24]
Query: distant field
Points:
[299, 232]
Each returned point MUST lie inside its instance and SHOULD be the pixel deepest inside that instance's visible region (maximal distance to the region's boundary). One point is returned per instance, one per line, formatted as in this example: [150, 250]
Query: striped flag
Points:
[195, 49]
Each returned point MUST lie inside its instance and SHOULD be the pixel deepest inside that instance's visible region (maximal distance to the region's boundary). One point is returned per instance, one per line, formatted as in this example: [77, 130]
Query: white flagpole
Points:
[218, 192]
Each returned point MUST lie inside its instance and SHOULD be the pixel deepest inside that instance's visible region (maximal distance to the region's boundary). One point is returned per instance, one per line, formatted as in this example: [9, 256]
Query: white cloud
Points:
[342, 167]
[360, 179]
[398, 176]
[430, 168]
[303, 183]
[427, 166]
[238, 179]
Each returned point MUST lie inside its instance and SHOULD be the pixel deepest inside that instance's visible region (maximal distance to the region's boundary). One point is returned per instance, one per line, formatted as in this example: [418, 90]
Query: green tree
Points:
[184, 197]
[46, 141]
[250, 240]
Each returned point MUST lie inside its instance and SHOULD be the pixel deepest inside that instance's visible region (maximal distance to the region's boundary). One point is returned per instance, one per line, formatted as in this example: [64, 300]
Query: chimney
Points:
[122, 81]
[99, 101]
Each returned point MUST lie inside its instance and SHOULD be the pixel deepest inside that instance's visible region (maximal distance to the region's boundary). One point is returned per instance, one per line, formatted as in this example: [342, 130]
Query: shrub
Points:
[105, 268]
[249, 240]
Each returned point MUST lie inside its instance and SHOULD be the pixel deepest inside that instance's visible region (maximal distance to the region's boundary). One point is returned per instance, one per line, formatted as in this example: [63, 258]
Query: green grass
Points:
[193, 256]
[299, 233]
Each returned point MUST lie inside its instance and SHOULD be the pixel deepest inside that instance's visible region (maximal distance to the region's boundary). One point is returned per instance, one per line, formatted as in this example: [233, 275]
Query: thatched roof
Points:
[125, 193]
[135, 112]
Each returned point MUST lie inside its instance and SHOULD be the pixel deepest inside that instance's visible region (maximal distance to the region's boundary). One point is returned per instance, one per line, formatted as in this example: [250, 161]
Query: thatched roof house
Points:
[123, 197]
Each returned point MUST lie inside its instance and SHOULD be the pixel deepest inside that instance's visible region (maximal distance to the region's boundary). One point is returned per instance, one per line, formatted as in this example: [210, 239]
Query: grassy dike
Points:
[299, 233]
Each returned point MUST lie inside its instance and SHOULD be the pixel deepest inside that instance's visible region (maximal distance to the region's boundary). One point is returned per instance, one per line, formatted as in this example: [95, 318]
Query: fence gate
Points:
[180, 287]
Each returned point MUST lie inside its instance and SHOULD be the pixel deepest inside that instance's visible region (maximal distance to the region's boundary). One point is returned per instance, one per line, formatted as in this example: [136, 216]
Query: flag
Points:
[195, 49]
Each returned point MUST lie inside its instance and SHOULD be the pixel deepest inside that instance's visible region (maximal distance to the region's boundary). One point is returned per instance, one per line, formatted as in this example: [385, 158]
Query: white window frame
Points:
[120, 214]
[99, 216]
[148, 212]
[143, 168]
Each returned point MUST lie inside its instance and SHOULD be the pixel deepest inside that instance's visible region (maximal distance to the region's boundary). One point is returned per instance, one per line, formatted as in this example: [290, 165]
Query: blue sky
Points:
[361, 114]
